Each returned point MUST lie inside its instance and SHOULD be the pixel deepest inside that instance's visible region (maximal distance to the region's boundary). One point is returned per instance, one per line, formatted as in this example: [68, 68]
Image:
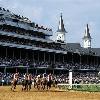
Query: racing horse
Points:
[27, 82]
[14, 81]
[44, 82]
[49, 81]
[38, 82]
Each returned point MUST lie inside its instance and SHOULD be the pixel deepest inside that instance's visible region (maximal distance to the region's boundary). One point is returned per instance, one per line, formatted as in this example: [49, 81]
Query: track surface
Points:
[53, 94]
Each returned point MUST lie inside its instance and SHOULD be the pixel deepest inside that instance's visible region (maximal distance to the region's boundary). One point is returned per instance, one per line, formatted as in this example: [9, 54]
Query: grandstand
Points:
[26, 46]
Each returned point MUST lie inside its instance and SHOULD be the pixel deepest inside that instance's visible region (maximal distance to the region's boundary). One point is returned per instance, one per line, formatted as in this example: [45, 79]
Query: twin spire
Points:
[61, 27]
[61, 36]
[87, 38]
[61, 31]
[87, 33]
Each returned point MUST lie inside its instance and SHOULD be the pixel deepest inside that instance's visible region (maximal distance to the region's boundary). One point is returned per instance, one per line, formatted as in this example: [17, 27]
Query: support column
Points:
[63, 58]
[6, 53]
[44, 56]
[27, 70]
[87, 58]
[94, 59]
[72, 58]
[97, 60]
[20, 54]
[38, 56]
[59, 58]
[13, 54]
[36, 72]
[33, 56]
[26, 54]
[80, 59]
[5, 70]
[54, 58]
[80, 62]
[45, 71]
[53, 72]
[16, 70]
[49, 57]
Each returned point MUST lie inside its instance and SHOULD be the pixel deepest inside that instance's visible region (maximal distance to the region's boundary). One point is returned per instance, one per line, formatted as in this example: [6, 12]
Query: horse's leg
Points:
[30, 83]
[34, 84]
[12, 86]
[37, 86]
[15, 86]
[27, 86]
[41, 85]
[50, 85]
[30, 87]
[47, 85]
[23, 87]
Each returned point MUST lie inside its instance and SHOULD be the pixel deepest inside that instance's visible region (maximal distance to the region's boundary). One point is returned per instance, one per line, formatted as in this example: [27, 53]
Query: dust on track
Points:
[53, 94]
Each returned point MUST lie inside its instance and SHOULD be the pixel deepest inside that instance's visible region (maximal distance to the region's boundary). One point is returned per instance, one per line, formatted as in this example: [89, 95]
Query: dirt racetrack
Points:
[53, 94]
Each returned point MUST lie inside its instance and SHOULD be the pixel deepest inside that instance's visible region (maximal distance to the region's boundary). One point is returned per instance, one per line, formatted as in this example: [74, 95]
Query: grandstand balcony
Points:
[26, 27]
[13, 34]
[31, 47]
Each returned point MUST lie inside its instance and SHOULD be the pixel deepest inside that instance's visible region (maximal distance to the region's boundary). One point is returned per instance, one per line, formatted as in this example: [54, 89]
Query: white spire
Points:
[61, 25]
[61, 31]
[87, 34]
[87, 38]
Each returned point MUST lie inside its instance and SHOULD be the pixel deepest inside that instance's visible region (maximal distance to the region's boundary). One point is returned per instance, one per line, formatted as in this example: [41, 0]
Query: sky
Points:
[76, 14]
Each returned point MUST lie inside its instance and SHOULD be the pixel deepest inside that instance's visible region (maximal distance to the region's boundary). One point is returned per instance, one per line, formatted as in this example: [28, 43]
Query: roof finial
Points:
[87, 28]
[61, 14]
[87, 25]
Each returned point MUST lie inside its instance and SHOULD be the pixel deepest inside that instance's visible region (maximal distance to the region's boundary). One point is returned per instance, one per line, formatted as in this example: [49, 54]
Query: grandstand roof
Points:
[97, 51]
[76, 48]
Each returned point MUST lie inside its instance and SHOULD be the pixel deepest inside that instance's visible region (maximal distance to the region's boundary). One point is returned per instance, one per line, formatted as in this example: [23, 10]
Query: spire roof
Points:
[87, 34]
[61, 25]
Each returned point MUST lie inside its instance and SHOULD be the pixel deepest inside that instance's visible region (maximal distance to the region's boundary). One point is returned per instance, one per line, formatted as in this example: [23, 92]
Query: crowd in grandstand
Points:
[86, 78]
[62, 65]
[13, 62]
[80, 78]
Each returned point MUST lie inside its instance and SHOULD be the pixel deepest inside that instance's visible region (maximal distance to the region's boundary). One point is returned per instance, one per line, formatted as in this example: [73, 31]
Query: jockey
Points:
[49, 78]
[16, 76]
[26, 77]
[30, 77]
[29, 81]
[43, 77]
[37, 78]
[15, 80]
